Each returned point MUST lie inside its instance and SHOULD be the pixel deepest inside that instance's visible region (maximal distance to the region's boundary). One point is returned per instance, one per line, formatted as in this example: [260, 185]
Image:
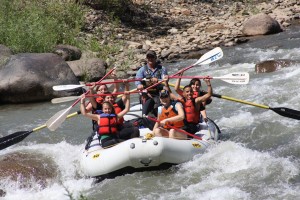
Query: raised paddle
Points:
[71, 86]
[233, 78]
[56, 120]
[209, 57]
[71, 98]
[17, 137]
[286, 112]
[175, 128]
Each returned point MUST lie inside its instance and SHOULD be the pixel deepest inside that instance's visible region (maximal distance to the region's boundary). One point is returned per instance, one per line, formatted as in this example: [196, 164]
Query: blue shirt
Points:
[145, 71]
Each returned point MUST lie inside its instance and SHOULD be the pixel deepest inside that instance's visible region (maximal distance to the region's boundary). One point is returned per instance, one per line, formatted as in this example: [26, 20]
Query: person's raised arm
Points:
[127, 105]
[208, 94]
[116, 85]
[177, 86]
[84, 112]
[167, 87]
[92, 99]
[126, 88]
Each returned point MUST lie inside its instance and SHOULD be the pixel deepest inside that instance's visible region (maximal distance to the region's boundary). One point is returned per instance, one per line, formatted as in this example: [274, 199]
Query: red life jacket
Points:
[196, 94]
[168, 113]
[192, 115]
[107, 124]
[100, 100]
[117, 111]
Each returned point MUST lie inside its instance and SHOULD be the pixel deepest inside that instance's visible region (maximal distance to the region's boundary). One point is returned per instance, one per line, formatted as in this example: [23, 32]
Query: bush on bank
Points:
[38, 25]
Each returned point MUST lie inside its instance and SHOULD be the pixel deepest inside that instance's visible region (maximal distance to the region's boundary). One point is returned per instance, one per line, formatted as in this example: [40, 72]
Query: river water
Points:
[258, 160]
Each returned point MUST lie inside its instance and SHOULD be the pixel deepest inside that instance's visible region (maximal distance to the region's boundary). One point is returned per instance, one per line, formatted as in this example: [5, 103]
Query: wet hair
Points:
[102, 85]
[194, 80]
[110, 105]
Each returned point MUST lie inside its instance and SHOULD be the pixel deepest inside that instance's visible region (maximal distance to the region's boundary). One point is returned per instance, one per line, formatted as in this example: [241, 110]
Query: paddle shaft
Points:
[208, 77]
[87, 92]
[17, 137]
[175, 128]
[116, 81]
[286, 112]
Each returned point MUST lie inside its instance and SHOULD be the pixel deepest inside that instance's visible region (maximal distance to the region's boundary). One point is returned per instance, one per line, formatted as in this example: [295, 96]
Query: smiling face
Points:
[102, 89]
[107, 108]
[195, 84]
[187, 92]
[151, 61]
[110, 99]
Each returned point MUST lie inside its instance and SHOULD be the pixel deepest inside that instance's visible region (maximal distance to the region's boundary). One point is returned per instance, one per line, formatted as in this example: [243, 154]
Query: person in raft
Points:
[192, 106]
[107, 121]
[195, 84]
[153, 71]
[170, 113]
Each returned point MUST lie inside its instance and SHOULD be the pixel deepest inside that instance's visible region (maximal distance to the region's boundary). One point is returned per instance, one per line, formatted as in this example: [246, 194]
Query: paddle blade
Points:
[235, 78]
[12, 139]
[56, 120]
[64, 99]
[287, 112]
[211, 56]
[66, 87]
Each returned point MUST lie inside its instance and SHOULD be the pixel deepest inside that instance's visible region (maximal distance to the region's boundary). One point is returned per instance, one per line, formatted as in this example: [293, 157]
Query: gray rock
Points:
[261, 24]
[273, 65]
[29, 77]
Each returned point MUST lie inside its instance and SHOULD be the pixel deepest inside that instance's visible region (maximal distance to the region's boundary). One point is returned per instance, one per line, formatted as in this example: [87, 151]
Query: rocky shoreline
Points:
[182, 29]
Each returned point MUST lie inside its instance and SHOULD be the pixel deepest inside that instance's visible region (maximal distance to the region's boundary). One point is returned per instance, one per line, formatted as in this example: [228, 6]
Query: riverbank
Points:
[183, 29]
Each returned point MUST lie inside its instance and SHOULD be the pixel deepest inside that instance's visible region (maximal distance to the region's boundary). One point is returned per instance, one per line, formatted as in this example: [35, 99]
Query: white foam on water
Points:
[69, 181]
[231, 171]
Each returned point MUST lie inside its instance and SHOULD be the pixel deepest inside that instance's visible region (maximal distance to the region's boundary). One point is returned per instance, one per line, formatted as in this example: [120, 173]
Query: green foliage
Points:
[39, 25]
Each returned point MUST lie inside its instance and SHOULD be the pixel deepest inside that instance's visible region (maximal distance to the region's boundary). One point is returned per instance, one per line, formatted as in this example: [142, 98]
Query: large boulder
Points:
[273, 65]
[24, 167]
[89, 69]
[29, 77]
[261, 24]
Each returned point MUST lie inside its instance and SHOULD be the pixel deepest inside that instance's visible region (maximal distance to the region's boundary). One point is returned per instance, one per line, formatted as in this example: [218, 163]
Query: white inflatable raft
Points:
[144, 153]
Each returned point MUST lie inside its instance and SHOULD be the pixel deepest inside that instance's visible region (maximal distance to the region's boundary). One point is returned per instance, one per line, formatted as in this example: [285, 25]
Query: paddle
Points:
[71, 87]
[64, 99]
[207, 58]
[56, 120]
[233, 78]
[175, 128]
[286, 112]
[17, 137]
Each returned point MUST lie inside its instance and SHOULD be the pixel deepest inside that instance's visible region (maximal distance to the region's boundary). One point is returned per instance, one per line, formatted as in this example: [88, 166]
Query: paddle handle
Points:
[110, 94]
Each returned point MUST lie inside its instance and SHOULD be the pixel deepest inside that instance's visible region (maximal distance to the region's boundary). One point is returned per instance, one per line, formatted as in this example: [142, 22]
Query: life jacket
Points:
[118, 110]
[107, 124]
[190, 111]
[148, 74]
[196, 94]
[99, 100]
[165, 113]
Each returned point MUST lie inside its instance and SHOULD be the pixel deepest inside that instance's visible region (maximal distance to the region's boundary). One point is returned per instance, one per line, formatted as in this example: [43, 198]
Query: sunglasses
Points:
[150, 57]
